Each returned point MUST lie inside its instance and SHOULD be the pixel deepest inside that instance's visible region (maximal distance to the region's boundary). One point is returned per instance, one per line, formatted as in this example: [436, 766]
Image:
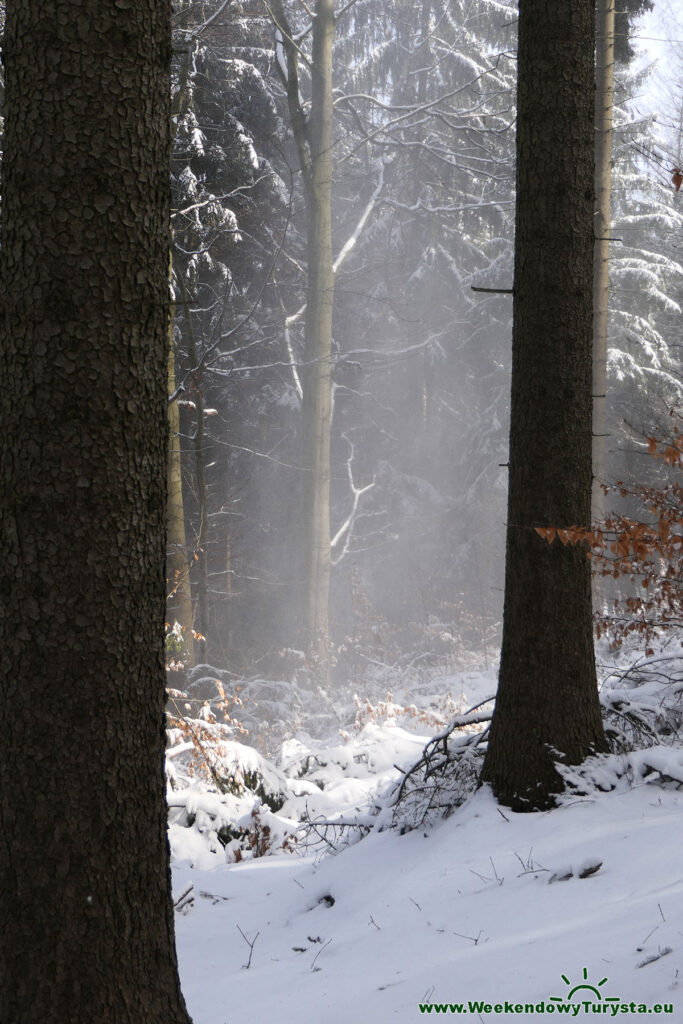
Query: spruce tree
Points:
[87, 932]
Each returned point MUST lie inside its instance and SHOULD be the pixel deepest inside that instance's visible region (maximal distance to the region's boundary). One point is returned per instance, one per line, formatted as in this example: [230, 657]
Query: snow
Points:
[466, 911]
[486, 905]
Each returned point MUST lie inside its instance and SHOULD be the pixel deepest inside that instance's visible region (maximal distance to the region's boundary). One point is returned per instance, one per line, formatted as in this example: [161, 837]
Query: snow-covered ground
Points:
[485, 907]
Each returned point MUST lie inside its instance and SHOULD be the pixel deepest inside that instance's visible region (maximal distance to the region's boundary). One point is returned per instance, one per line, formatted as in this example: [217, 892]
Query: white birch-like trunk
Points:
[316, 376]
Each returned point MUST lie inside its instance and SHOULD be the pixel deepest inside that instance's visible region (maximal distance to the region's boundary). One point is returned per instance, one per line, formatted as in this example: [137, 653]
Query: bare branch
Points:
[194, 33]
[250, 944]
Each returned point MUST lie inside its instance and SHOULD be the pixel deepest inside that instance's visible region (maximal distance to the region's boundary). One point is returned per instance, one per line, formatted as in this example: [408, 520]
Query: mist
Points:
[418, 356]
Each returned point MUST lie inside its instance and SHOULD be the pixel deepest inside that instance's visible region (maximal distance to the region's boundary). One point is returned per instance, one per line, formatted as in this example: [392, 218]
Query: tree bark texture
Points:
[547, 707]
[604, 104]
[87, 922]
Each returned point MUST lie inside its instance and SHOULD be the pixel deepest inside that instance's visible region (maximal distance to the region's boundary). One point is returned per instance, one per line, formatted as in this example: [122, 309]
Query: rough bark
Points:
[604, 101]
[87, 922]
[547, 706]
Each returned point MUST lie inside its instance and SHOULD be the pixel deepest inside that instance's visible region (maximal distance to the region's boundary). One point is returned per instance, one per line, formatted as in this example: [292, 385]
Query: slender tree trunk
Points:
[196, 391]
[604, 101]
[202, 626]
[313, 139]
[316, 376]
[178, 595]
[179, 592]
[87, 922]
[419, 426]
[547, 707]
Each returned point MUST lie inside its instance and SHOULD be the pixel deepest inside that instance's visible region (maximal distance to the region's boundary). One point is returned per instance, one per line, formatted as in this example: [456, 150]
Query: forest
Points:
[341, 509]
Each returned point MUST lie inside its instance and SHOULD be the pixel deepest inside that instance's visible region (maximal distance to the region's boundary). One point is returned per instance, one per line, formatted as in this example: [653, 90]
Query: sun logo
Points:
[584, 987]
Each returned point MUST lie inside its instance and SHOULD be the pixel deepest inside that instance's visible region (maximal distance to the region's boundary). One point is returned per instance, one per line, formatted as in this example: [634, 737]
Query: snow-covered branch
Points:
[346, 528]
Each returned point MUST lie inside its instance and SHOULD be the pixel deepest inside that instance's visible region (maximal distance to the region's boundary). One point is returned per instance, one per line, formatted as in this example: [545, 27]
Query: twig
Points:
[494, 291]
[470, 937]
[250, 944]
[199, 746]
[186, 899]
[655, 956]
[441, 739]
[214, 897]
[649, 934]
[319, 952]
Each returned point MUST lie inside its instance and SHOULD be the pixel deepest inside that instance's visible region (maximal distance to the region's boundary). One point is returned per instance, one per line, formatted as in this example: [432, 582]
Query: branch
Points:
[201, 363]
[219, 199]
[196, 32]
[348, 245]
[250, 944]
[493, 291]
[357, 492]
[287, 55]
[410, 111]
[290, 354]
[344, 9]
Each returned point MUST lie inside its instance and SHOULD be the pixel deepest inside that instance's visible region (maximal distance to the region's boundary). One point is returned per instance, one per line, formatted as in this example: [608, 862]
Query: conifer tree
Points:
[547, 707]
[87, 919]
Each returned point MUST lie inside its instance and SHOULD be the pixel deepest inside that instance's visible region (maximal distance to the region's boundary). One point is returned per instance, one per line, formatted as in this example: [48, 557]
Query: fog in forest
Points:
[412, 399]
[389, 424]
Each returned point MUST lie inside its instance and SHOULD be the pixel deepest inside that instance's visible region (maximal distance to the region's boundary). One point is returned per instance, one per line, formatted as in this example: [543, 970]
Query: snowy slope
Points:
[465, 912]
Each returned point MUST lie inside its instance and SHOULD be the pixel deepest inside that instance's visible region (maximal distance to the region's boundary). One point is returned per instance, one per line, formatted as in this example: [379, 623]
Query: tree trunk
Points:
[547, 707]
[87, 921]
[604, 100]
[313, 139]
[202, 626]
[196, 393]
[178, 595]
[316, 376]
[193, 649]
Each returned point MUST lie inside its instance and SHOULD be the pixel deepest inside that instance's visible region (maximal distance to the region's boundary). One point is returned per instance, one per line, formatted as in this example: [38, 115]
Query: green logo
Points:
[584, 987]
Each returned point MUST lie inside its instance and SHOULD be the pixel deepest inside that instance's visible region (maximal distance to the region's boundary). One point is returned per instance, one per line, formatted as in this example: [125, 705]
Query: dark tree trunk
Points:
[547, 706]
[87, 923]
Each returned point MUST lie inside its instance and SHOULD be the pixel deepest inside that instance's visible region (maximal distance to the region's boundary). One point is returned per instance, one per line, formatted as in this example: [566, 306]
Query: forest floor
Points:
[484, 915]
